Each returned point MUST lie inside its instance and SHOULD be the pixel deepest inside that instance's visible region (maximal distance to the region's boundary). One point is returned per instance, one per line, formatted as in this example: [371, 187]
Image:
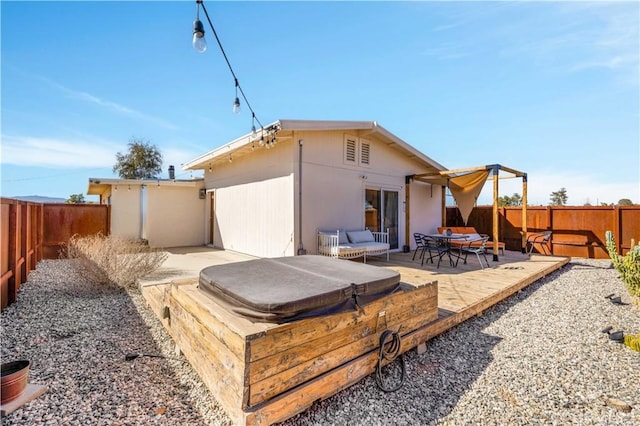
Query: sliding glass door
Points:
[381, 213]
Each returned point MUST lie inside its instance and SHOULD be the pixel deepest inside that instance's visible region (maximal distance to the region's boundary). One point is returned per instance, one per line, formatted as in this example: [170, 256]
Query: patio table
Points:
[445, 242]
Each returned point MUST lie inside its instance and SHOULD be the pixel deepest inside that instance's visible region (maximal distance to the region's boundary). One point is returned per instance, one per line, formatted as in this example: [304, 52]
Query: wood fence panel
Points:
[629, 218]
[578, 231]
[21, 245]
[62, 221]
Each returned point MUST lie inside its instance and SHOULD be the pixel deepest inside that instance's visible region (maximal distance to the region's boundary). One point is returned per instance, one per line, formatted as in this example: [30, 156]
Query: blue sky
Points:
[549, 88]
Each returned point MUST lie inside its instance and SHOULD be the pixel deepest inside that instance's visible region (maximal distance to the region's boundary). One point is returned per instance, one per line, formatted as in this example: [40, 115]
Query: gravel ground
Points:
[537, 358]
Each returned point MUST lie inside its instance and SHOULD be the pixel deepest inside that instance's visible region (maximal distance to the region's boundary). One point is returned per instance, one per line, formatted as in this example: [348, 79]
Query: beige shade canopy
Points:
[466, 189]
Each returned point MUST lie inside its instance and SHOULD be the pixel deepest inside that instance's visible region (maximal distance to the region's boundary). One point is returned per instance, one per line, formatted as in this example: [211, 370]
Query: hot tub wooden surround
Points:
[262, 373]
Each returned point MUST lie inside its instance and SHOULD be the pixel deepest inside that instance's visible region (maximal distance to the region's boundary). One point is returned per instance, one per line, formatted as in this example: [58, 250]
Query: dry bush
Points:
[109, 259]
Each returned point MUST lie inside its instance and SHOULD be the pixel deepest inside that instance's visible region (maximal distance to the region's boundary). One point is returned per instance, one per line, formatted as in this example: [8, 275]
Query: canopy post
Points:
[444, 205]
[407, 214]
[524, 214]
[496, 170]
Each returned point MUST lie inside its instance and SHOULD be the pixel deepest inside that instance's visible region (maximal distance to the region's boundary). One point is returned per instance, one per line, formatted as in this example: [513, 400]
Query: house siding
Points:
[254, 202]
[175, 216]
[126, 219]
[333, 190]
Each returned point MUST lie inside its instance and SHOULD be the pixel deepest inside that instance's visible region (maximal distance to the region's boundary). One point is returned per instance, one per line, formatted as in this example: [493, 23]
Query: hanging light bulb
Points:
[199, 43]
[230, 159]
[236, 102]
[253, 125]
[253, 146]
[261, 143]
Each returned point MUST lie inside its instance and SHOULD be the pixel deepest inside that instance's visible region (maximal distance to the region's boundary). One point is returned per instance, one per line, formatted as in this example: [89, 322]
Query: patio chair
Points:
[435, 248]
[541, 238]
[477, 250]
[418, 237]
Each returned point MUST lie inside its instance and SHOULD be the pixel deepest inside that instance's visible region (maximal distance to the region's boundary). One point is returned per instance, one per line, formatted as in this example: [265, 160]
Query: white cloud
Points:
[109, 105]
[51, 152]
[581, 189]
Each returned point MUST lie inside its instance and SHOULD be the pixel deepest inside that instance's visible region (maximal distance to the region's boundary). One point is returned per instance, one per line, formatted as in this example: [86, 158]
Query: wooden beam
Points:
[523, 243]
[407, 212]
[495, 214]
[444, 205]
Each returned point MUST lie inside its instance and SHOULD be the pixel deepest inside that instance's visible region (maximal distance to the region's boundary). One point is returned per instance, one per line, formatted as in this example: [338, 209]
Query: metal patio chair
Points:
[477, 250]
[418, 237]
[541, 238]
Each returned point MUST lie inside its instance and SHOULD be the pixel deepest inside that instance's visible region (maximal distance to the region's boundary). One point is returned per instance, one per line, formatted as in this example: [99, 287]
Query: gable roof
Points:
[247, 141]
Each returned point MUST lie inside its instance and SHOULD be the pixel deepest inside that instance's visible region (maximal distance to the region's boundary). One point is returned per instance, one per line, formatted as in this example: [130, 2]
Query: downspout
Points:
[143, 213]
[301, 250]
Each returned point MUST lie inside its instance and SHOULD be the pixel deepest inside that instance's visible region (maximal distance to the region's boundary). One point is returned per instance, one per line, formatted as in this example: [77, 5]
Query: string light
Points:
[199, 43]
[236, 102]
[238, 88]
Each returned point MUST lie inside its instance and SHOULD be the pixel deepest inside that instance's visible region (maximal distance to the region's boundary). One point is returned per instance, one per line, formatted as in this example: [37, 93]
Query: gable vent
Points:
[350, 150]
[365, 149]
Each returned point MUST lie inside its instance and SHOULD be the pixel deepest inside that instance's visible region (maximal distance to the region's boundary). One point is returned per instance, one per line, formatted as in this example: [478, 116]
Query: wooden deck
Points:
[264, 373]
[466, 290]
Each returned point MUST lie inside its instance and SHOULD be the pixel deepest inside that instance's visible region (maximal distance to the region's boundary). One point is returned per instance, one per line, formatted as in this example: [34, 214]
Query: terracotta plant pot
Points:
[14, 379]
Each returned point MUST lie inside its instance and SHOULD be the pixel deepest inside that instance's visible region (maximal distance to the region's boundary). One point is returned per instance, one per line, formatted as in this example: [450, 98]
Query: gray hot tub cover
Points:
[289, 288]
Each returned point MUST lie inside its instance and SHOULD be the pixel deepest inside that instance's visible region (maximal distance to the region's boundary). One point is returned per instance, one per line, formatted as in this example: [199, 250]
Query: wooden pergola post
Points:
[444, 205]
[496, 170]
[407, 214]
[524, 214]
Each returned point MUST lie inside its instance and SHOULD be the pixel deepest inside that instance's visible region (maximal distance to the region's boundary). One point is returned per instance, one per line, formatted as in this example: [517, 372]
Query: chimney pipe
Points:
[172, 172]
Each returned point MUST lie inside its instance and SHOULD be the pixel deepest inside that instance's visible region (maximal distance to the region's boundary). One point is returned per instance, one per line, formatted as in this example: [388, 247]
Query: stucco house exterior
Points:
[165, 212]
[267, 194]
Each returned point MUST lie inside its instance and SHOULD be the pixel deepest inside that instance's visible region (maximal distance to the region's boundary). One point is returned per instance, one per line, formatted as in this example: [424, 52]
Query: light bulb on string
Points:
[236, 102]
[199, 43]
[253, 125]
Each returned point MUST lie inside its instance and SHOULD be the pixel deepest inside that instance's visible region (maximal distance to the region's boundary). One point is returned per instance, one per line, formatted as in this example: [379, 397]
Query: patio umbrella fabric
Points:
[466, 189]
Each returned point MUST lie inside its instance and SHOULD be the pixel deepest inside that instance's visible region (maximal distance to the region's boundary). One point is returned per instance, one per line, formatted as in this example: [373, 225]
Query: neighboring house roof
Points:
[246, 142]
[99, 186]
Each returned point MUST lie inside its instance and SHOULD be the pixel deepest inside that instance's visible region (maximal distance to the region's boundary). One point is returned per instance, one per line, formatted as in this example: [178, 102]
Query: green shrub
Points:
[109, 259]
[628, 266]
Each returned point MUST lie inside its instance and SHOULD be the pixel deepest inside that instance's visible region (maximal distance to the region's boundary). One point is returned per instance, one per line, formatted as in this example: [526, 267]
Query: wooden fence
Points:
[63, 221]
[578, 231]
[30, 232]
[21, 243]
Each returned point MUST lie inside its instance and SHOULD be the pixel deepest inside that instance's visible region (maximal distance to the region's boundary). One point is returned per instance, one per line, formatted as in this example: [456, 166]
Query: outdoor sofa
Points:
[345, 244]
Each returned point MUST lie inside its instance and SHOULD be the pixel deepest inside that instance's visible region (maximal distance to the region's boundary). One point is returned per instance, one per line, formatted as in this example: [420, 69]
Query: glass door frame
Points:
[381, 215]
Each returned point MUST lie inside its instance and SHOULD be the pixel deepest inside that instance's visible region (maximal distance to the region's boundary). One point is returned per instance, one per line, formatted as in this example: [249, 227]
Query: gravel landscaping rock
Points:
[537, 358]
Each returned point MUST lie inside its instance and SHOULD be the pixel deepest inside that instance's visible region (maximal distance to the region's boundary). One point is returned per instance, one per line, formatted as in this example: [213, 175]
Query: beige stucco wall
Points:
[257, 195]
[334, 192]
[426, 209]
[174, 216]
[126, 212]
[254, 202]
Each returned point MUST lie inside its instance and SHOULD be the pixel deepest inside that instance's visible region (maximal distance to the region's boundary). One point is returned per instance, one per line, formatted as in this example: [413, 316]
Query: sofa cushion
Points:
[473, 237]
[360, 236]
[342, 237]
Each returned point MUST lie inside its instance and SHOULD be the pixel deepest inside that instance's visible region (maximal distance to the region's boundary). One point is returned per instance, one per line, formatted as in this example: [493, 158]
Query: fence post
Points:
[616, 229]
